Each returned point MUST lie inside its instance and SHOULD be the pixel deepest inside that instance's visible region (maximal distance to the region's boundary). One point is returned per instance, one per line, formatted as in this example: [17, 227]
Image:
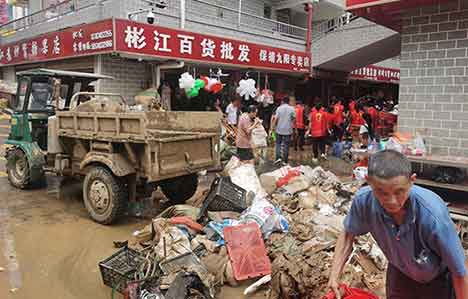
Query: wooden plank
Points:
[458, 187]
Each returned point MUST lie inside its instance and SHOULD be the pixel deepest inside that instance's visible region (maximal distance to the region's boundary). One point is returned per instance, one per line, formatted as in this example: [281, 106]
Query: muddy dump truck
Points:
[118, 152]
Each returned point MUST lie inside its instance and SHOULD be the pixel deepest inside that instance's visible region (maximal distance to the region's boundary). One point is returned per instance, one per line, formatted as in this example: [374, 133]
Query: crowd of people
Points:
[293, 121]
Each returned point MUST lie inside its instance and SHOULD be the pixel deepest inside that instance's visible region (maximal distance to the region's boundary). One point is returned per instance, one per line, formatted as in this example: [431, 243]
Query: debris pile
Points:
[283, 229]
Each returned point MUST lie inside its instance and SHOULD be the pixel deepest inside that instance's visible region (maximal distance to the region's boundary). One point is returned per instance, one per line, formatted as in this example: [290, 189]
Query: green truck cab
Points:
[118, 152]
[30, 110]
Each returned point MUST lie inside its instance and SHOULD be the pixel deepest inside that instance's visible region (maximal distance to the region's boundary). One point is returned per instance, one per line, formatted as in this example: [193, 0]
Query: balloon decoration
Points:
[213, 85]
[192, 87]
[247, 89]
[186, 82]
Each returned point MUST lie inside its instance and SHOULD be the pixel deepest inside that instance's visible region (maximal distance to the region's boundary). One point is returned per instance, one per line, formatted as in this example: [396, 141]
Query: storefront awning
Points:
[386, 12]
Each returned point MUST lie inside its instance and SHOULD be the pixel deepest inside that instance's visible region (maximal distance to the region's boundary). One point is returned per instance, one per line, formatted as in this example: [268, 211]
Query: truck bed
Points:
[162, 144]
[139, 127]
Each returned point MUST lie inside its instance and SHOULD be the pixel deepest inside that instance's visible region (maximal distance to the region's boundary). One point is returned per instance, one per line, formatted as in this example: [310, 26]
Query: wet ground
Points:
[49, 248]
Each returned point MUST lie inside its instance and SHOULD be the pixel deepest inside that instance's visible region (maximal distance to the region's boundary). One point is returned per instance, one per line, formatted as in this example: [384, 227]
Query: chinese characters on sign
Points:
[144, 39]
[148, 40]
[80, 40]
[376, 73]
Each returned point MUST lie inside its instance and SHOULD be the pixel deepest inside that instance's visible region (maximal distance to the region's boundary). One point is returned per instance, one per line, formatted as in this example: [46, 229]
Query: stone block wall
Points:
[434, 76]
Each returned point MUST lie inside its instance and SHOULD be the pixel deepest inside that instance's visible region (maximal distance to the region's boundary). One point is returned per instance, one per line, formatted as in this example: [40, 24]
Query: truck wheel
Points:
[179, 190]
[18, 169]
[105, 195]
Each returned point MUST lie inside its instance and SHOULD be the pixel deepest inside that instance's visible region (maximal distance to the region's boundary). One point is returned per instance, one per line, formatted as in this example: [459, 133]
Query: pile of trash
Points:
[277, 231]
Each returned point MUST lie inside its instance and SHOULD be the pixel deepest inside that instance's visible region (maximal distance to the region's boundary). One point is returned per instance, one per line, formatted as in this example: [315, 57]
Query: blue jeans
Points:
[282, 147]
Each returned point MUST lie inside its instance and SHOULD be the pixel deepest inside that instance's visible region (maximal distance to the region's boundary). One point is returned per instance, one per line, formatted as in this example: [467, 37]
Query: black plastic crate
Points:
[224, 195]
[119, 269]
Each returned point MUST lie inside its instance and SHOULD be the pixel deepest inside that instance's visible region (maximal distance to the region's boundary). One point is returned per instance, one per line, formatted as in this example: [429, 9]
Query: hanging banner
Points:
[378, 74]
[4, 12]
[144, 39]
[82, 40]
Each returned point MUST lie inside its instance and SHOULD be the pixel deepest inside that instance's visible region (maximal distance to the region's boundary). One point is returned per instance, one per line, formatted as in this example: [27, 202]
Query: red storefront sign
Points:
[144, 39]
[148, 40]
[376, 73]
[76, 41]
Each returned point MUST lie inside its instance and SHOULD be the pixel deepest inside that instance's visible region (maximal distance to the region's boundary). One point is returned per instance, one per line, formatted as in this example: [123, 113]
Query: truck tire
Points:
[18, 169]
[179, 190]
[105, 195]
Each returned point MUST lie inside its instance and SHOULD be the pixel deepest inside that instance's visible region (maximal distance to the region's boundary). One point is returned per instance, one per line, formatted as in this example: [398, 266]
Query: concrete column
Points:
[98, 70]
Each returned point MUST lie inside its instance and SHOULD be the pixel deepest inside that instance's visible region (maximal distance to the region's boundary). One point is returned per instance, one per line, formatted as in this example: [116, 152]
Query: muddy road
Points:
[49, 248]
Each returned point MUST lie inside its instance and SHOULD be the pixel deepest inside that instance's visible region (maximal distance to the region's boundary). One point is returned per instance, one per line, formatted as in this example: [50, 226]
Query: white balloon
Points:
[186, 81]
[247, 89]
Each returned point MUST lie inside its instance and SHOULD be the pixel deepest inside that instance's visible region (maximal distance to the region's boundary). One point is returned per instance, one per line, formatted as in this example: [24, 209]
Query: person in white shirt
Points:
[232, 111]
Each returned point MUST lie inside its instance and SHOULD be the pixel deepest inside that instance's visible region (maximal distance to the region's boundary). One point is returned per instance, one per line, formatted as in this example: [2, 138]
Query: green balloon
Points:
[193, 92]
[199, 83]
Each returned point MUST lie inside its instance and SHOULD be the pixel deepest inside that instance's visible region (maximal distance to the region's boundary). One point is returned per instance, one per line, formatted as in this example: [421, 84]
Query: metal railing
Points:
[239, 19]
[200, 11]
[49, 14]
[332, 25]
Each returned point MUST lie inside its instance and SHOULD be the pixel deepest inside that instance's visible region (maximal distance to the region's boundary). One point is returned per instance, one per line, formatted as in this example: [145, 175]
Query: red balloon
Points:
[217, 87]
[205, 79]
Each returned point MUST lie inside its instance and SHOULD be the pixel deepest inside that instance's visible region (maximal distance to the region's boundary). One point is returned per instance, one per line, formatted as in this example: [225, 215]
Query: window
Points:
[41, 96]
[18, 102]
[267, 11]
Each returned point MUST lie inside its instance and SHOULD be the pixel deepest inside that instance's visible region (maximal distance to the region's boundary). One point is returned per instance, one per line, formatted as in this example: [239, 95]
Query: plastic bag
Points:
[267, 216]
[259, 137]
[419, 148]
[246, 177]
[394, 144]
[360, 173]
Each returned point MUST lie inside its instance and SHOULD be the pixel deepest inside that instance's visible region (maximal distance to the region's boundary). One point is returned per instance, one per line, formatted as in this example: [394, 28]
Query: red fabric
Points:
[351, 293]
[318, 123]
[374, 116]
[284, 180]
[352, 105]
[357, 119]
[330, 119]
[187, 221]
[338, 110]
[300, 117]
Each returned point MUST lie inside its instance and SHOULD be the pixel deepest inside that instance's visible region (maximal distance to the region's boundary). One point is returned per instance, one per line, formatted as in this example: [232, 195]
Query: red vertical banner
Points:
[4, 16]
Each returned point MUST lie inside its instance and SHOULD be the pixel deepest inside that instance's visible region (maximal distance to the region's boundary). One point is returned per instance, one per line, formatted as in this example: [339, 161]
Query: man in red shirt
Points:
[299, 129]
[318, 131]
[338, 114]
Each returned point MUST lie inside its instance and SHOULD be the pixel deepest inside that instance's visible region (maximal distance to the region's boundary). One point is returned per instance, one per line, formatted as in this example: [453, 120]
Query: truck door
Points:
[19, 120]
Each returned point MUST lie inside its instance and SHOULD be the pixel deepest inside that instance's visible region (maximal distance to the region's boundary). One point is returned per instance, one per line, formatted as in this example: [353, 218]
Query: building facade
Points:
[434, 71]
[268, 28]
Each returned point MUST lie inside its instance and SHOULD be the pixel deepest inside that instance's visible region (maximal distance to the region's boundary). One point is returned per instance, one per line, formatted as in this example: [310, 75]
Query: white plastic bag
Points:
[394, 144]
[419, 148]
[266, 215]
[259, 137]
[246, 177]
[360, 173]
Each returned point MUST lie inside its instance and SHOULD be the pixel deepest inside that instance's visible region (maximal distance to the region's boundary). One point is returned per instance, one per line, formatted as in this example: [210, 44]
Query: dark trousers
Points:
[400, 286]
[282, 147]
[299, 139]
[338, 132]
[318, 145]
